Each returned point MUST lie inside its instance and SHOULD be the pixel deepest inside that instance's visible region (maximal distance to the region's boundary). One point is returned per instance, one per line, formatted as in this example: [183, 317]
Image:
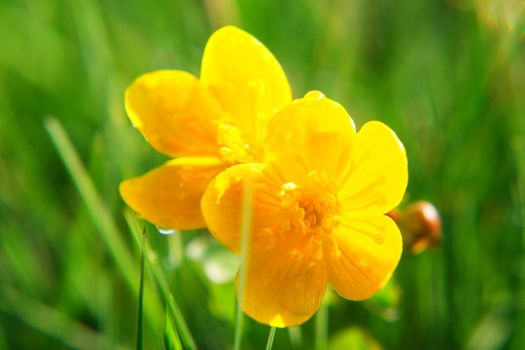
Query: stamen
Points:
[312, 208]
[232, 147]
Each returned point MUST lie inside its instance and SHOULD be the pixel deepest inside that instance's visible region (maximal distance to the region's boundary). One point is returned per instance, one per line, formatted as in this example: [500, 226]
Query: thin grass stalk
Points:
[271, 335]
[171, 337]
[162, 286]
[100, 214]
[49, 321]
[321, 328]
[519, 153]
[96, 207]
[246, 223]
[140, 321]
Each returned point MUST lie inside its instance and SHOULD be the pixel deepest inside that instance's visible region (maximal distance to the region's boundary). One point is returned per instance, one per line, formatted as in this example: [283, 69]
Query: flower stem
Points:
[238, 328]
[321, 328]
[269, 343]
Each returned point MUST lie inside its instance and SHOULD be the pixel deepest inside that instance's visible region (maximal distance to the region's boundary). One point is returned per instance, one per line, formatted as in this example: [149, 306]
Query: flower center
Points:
[232, 147]
[312, 208]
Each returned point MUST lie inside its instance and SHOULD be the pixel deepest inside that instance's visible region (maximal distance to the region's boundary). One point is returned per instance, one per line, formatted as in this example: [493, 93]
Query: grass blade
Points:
[162, 286]
[100, 214]
[271, 335]
[97, 209]
[171, 337]
[50, 321]
[140, 322]
[246, 223]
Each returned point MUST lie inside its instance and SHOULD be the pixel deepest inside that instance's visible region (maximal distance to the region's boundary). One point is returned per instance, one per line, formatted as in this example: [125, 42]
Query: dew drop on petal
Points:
[314, 95]
[166, 231]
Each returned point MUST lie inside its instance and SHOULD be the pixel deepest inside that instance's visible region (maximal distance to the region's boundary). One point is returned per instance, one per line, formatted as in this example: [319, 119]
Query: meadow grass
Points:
[447, 76]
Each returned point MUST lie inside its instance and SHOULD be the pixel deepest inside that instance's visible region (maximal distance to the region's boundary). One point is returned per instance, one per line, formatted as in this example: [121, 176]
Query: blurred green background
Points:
[447, 76]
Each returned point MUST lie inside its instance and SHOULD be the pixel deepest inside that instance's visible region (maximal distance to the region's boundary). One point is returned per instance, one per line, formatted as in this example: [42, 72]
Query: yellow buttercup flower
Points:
[318, 210]
[209, 124]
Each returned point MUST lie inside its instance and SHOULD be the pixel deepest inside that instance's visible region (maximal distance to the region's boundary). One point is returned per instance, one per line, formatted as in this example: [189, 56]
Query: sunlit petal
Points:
[175, 113]
[313, 133]
[169, 196]
[222, 203]
[286, 280]
[361, 255]
[379, 174]
[246, 78]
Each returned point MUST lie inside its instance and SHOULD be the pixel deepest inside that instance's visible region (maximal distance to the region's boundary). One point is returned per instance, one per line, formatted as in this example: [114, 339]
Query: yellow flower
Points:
[210, 124]
[318, 210]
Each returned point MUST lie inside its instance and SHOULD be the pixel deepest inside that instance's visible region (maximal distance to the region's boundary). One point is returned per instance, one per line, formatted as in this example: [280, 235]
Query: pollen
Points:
[232, 148]
[310, 208]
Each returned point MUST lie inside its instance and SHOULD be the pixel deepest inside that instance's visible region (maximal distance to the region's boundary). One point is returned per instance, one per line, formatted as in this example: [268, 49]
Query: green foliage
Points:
[446, 75]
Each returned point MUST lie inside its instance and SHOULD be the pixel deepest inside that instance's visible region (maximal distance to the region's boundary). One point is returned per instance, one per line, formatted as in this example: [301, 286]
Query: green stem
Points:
[162, 286]
[321, 328]
[269, 343]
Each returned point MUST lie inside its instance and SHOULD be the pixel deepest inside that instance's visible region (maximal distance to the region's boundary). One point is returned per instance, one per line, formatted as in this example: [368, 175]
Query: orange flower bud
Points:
[420, 225]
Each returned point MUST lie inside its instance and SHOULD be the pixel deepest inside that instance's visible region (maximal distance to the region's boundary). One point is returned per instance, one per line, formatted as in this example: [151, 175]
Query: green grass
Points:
[449, 82]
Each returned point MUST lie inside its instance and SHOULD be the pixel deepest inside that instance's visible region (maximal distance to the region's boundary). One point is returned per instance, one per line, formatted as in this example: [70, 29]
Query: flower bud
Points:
[420, 226]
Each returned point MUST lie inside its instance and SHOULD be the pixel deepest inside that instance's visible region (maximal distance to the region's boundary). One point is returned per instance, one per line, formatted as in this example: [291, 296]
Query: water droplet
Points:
[314, 95]
[166, 231]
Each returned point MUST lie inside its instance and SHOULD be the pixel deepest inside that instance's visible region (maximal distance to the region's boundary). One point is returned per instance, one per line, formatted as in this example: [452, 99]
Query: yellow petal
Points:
[175, 113]
[286, 280]
[311, 134]
[361, 255]
[246, 78]
[222, 203]
[379, 174]
[169, 196]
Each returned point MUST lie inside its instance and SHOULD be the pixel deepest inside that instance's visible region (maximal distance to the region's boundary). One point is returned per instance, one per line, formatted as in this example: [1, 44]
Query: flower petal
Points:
[175, 113]
[169, 196]
[286, 280]
[311, 134]
[379, 174]
[361, 255]
[222, 203]
[246, 78]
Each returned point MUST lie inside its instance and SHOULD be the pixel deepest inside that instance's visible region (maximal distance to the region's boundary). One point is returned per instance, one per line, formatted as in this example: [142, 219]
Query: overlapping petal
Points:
[361, 255]
[222, 203]
[379, 173]
[220, 116]
[286, 276]
[311, 134]
[246, 78]
[303, 235]
[314, 205]
[169, 195]
[175, 113]
[286, 280]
